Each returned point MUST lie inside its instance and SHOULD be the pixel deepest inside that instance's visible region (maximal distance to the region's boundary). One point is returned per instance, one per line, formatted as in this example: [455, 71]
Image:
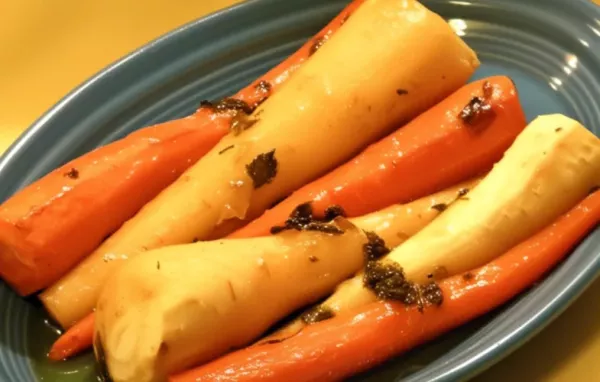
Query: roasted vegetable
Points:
[434, 151]
[182, 305]
[334, 105]
[49, 226]
[394, 224]
[350, 343]
[552, 165]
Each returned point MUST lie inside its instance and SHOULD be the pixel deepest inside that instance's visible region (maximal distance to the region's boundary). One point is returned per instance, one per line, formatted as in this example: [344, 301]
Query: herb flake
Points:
[317, 44]
[226, 149]
[302, 219]
[441, 207]
[263, 169]
[73, 173]
[317, 314]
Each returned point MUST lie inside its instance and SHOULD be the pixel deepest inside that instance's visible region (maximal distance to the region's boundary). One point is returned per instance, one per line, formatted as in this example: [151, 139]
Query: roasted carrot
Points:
[348, 344]
[74, 340]
[47, 227]
[441, 147]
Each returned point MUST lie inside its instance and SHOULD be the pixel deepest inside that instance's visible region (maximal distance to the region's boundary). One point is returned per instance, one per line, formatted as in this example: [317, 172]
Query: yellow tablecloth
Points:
[49, 47]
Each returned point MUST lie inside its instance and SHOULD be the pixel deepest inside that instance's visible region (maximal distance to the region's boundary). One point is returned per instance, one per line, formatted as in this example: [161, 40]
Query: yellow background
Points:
[49, 47]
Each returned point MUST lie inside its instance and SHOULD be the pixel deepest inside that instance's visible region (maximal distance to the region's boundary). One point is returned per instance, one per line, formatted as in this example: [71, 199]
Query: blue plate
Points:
[551, 49]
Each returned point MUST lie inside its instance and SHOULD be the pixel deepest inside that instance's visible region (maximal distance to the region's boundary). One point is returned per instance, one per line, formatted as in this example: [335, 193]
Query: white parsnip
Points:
[343, 98]
[550, 167]
[395, 224]
[186, 304]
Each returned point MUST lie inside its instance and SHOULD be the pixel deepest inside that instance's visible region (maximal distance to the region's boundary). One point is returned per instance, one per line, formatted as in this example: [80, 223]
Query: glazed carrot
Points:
[432, 152]
[348, 344]
[47, 227]
[74, 340]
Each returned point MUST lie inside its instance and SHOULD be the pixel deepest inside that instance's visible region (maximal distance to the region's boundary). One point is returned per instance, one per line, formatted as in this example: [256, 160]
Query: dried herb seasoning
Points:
[241, 122]
[317, 44]
[401, 91]
[431, 294]
[73, 173]
[388, 282]
[239, 110]
[226, 149]
[263, 91]
[375, 247]
[333, 212]
[228, 105]
[478, 112]
[441, 207]
[462, 192]
[264, 87]
[468, 276]
[263, 169]
[317, 314]
[302, 219]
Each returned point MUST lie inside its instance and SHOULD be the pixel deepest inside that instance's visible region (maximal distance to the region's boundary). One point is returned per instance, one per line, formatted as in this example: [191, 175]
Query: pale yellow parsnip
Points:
[551, 166]
[183, 305]
[394, 224]
[397, 223]
[343, 98]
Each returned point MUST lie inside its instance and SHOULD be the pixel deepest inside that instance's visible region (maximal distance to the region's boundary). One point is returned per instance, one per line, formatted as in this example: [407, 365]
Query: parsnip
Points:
[183, 305]
[395, 224]
[390, 61]
[552, 165]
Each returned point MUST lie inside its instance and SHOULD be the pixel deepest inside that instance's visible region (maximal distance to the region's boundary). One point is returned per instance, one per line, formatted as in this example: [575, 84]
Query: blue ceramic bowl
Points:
[551, 49]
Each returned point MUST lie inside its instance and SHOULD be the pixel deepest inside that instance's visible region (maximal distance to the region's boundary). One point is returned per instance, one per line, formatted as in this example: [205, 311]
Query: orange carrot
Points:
[74, 340]
[49, 226]
[432, 152]
[348, 344]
